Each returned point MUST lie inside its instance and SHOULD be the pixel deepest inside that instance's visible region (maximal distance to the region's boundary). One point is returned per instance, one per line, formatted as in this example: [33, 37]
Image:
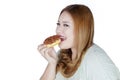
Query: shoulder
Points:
[59, 76]
[96, 53]
[99, 65]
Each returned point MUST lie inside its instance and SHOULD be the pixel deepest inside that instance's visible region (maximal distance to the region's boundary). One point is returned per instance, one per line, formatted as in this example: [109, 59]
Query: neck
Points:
[74, 53]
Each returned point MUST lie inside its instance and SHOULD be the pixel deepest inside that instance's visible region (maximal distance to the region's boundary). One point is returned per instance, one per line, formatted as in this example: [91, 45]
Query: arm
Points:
[50, 55]
[49, 73]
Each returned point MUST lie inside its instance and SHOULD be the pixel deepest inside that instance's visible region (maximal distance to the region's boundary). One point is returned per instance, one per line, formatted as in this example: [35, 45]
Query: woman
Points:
[79, 58]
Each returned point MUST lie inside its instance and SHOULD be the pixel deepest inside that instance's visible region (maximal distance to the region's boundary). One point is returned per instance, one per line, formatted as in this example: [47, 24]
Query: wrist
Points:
[52, 63]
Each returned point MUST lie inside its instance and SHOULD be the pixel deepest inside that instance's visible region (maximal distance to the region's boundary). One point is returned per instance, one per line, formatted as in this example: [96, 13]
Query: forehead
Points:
[65, 17]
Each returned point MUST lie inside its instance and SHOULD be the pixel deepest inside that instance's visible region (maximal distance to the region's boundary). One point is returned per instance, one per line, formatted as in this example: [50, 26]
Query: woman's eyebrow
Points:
[64, 21]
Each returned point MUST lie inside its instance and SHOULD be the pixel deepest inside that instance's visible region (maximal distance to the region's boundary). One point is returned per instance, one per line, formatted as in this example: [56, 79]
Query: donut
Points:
[51, 41]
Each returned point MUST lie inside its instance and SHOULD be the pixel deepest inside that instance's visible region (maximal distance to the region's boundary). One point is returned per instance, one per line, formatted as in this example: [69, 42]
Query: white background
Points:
[24, 24]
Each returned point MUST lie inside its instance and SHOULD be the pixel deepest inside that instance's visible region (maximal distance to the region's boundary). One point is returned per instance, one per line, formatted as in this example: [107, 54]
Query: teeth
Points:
[62, 38]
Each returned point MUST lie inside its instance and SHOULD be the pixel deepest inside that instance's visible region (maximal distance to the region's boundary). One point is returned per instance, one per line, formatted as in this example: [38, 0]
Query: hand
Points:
[48, 53]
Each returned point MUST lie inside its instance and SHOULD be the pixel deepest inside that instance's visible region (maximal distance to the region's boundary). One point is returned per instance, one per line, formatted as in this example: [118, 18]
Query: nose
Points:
[59, 30]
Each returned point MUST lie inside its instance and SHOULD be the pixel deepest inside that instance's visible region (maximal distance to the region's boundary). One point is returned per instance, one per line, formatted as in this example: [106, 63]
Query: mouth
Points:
[63, 38]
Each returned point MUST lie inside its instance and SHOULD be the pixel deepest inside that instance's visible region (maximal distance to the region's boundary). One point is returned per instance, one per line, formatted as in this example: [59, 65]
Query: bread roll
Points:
[52, 41]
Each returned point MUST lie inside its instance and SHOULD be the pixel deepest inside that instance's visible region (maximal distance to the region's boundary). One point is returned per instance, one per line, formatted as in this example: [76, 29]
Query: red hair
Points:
[84, 32]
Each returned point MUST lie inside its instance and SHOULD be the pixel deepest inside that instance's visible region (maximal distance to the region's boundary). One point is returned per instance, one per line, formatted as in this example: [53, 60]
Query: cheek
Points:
[70, 35]
[70, 39]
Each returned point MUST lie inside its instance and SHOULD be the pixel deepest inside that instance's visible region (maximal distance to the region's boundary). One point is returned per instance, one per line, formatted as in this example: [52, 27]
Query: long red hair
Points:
[84, 32]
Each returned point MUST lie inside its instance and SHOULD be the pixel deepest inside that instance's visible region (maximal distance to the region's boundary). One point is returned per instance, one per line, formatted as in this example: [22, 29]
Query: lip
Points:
[63, 38]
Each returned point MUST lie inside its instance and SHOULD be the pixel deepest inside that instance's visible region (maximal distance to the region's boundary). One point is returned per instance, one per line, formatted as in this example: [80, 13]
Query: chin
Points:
[63, 47]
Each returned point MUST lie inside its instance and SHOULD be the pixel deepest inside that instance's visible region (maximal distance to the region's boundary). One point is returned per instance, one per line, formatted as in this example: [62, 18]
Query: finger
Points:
[43, 51]
[52, 50]
[41, 46]
[49, 52]
[46, 53]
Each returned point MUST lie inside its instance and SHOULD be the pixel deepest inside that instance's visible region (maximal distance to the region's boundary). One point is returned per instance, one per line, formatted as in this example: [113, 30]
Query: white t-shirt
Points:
[96, 65]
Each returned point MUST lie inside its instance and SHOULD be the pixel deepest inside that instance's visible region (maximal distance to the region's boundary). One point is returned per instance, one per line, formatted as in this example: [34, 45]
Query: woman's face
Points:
[65, 28]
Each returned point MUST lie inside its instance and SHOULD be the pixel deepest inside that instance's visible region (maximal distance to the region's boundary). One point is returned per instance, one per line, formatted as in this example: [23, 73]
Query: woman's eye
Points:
[58, 24]
[65, 25]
